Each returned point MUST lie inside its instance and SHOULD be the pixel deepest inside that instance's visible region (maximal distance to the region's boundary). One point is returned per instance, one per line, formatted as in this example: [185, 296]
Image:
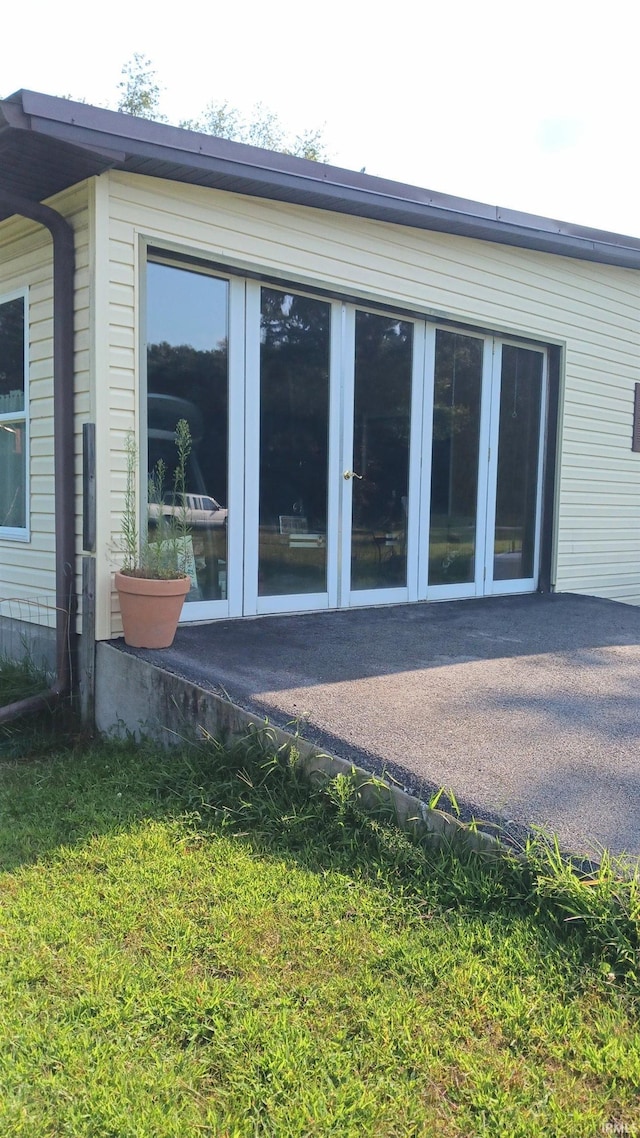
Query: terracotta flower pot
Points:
[150, 609]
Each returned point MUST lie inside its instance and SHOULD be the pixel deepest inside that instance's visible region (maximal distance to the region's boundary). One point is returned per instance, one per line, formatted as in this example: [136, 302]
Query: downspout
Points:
[63, 426]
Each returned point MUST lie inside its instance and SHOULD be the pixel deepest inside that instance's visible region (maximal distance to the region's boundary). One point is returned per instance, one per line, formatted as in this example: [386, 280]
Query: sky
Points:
[531, 107]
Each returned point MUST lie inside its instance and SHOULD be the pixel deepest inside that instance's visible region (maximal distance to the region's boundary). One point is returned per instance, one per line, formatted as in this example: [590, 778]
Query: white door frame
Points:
[483, 583]
[232, 605]
[396, 595]
[254, 604]
[467, 589]
[519, 584]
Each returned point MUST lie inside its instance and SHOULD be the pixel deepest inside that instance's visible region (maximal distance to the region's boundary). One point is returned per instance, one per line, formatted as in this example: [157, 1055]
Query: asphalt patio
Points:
[526, 707]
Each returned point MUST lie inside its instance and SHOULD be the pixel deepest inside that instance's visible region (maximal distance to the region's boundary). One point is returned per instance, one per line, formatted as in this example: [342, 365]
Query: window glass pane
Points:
[294, 430]
[518, 451]
[12, 356]
[13, 475]
[454, 470]
[13, 470]
[187, 378]
[382, 419]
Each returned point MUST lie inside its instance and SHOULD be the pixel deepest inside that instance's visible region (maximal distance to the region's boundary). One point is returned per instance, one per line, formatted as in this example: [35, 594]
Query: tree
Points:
[262, 128]
[140, 95]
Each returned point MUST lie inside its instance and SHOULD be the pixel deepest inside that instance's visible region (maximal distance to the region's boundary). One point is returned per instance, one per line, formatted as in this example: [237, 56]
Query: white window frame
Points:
[21, 533]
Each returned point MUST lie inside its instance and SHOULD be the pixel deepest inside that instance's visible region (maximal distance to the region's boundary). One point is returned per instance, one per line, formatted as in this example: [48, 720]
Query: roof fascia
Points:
[119, 139]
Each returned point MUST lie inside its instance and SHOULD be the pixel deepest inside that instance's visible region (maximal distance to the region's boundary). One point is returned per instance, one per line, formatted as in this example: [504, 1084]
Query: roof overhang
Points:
[49, 144]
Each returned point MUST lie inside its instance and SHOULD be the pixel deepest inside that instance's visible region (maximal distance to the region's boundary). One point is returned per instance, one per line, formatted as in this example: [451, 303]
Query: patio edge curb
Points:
[135, 697]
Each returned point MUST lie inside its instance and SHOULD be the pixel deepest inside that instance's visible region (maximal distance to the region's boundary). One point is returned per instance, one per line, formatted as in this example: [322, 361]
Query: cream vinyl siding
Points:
[27, 569]
[590, 310]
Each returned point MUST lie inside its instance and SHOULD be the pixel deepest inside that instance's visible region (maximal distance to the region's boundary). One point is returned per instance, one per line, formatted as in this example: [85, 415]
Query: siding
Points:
[27, 569]
[590, 309]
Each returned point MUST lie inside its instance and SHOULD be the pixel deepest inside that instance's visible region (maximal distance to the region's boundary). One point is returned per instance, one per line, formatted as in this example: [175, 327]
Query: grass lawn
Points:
[197, 943]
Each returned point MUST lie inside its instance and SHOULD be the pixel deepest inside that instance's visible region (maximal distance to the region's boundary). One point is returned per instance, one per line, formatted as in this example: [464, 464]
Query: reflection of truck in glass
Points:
[198, 511]
[196, 508]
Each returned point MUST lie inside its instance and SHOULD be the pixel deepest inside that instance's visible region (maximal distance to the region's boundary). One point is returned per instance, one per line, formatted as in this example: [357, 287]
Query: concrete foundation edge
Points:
[133, 697]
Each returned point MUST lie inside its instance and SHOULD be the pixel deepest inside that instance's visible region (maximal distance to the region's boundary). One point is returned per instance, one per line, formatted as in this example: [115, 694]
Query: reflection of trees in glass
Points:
[519, 438]
[12, 348]
[519, 433]
[454, 469]
[294, 408]
[384, 348]
[200, 377]
[456, 424]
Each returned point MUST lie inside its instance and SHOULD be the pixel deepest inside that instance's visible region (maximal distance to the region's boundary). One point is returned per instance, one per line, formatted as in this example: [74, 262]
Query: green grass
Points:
[198, 943]
[19, 679]
[30, 734]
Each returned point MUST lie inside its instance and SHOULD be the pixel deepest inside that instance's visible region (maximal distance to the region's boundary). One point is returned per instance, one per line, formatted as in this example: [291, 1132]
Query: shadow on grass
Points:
[77, 790]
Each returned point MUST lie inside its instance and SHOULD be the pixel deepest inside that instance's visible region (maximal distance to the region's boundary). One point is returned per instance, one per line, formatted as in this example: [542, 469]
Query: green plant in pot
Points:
[154, 581]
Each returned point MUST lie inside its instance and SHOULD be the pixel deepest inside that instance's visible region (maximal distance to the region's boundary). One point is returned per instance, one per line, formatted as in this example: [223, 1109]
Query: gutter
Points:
[70, 142]
[63, 425]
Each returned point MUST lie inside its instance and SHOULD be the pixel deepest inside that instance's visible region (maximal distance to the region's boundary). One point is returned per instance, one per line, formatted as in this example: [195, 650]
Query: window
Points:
[13, 417]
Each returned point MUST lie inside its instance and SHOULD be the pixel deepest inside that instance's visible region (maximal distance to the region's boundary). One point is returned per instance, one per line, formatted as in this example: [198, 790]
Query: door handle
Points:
[351, 474]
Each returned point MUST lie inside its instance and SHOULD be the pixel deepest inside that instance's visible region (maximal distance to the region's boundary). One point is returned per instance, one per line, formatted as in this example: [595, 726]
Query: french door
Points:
[333, 461]
[485, 433]
[341, 456]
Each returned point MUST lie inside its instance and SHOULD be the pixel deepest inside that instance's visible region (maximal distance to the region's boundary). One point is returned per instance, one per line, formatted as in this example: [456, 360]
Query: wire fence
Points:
[28, 630]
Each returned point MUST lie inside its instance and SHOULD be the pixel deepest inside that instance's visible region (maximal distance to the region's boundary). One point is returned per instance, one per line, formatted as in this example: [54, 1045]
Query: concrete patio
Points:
[527, 707]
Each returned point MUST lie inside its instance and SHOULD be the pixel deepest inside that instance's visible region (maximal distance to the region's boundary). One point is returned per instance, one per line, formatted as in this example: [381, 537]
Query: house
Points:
[394, 395]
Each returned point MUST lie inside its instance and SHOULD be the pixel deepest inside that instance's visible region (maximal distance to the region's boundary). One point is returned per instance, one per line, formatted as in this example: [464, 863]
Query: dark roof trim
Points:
[76, 140]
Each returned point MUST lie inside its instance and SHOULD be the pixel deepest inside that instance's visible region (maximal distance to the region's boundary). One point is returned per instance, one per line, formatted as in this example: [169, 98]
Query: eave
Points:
[49, 144]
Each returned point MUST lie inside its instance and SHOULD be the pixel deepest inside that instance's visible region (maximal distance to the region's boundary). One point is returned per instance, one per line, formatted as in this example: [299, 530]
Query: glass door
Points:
[515, 469]
[383, 382]
[460, 436]
[340, 456]
[332, 476]
[292, 432]
[192, 369]
[486, 466]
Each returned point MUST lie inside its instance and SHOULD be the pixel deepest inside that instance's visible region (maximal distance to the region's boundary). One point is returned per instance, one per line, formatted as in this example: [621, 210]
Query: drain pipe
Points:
[63, 280]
